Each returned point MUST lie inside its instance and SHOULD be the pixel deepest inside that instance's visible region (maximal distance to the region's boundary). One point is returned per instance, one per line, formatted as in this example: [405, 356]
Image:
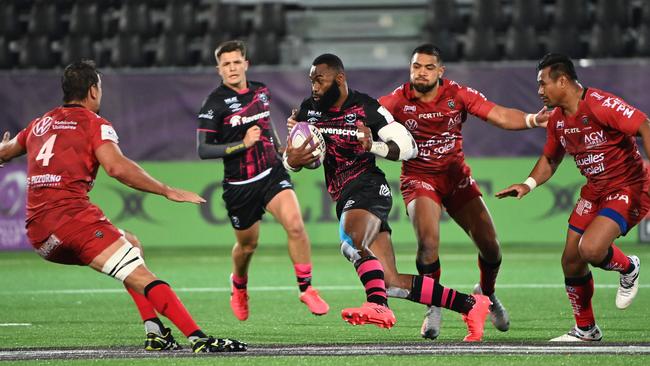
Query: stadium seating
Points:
[158, 33]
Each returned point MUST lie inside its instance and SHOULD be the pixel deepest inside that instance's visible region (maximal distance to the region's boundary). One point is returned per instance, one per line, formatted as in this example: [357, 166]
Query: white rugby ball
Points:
[301, 132]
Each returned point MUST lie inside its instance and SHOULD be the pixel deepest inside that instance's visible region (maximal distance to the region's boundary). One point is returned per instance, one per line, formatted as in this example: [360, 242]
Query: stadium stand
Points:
[184, 33]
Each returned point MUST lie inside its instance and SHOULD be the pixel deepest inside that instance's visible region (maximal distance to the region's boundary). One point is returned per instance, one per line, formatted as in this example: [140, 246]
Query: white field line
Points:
[284, 288]
[15, 324]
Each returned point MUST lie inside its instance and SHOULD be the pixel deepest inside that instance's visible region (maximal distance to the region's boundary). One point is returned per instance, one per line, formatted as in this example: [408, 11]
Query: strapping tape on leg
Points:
[347, 247]
[123, 262]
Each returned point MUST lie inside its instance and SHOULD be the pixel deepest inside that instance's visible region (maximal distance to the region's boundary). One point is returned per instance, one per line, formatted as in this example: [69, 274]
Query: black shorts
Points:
[246, 203]
[369, 192]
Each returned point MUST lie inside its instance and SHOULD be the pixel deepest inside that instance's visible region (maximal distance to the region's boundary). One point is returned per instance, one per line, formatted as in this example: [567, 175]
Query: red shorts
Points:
[452, 190]
[72, 236]
[626, 206]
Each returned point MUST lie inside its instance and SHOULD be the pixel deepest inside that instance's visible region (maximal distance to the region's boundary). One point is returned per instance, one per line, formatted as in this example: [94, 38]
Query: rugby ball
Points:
[301, 132]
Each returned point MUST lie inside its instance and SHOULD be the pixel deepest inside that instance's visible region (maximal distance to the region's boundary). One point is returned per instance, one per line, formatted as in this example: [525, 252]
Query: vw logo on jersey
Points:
[42, 126]
[411, 124]
[350, 118]
[451, 104]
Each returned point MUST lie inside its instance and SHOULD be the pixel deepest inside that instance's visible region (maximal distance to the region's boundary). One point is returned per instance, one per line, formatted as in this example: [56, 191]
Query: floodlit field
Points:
[47, 306]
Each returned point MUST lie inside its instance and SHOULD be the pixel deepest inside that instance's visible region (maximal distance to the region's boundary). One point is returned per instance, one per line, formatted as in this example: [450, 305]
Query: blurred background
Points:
[157, 60]
[160, 33]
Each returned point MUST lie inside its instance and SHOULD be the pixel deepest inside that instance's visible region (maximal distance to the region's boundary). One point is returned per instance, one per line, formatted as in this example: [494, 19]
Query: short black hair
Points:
[77, 79]
[331, 60]
[560, 65]
[231, 46]
[428, 49]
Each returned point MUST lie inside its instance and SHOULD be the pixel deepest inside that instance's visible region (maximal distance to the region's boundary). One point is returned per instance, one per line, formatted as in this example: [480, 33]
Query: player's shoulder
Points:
[358, 98]
[395, 97]
[555, 119]
[255, 85]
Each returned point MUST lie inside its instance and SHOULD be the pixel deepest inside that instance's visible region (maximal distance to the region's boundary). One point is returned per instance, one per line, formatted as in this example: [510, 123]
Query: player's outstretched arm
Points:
[543, 171]
[397, 144]
[9, 148]
[514, 119]
[131, 174]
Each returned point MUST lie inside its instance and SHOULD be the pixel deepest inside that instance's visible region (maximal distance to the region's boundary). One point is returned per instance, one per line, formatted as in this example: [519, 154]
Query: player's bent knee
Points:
[123, 262]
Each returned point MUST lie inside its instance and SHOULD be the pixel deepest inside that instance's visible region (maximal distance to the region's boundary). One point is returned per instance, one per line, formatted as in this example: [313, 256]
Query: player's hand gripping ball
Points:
[301, 132]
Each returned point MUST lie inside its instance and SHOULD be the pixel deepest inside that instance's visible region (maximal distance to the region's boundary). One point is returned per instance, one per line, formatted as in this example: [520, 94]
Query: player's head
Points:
[426, 67]
[328, 83]
[81, 84]
[232, 63]
[555, 76]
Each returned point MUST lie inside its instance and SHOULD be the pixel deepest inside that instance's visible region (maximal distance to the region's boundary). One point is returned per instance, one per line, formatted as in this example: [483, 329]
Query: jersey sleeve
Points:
[617, 114]
[389, 102]
[209, 116]
[377, 116]
[553, 148]
[475, 102]
[101, 133]
[23, 134]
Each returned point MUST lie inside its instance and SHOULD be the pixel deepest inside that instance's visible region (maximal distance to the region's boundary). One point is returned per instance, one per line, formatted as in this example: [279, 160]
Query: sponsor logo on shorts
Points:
[584, 207]
[235, 221]
[48, 246]
[44, 180]
[99, 234]
[348, 204]
[465, 182]
[285, 184]
[618, 197]
[384, 190]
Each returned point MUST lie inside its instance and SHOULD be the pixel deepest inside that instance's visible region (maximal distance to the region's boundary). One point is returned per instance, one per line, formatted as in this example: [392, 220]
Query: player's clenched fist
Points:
[364, 135]
[253, 135]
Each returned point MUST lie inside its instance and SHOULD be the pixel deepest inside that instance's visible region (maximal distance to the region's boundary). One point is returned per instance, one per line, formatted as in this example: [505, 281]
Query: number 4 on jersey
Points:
[46, 153]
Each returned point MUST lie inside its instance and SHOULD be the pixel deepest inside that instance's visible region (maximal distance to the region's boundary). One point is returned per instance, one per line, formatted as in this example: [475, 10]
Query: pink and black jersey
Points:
[345, 157]
[600, 137]
[61, 162]
[226, 115]
[436, 125]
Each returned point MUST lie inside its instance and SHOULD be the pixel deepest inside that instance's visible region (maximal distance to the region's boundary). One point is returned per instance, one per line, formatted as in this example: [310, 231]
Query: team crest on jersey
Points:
[585, 120]
[264, 98]
[451, 104]
[42, 126]
[411, 124]
[350, 118]
[409, 109]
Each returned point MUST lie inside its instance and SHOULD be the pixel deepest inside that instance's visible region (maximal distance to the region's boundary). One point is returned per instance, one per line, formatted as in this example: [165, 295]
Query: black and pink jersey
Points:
[226, 115]
[345, 157]
[600, 137]
[436, 125]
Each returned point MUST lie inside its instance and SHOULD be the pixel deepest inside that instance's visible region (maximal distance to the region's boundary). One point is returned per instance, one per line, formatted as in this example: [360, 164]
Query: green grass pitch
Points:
[69, 306]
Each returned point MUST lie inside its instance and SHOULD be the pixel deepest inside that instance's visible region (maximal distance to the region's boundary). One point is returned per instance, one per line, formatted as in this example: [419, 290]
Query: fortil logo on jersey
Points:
[42, 126]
